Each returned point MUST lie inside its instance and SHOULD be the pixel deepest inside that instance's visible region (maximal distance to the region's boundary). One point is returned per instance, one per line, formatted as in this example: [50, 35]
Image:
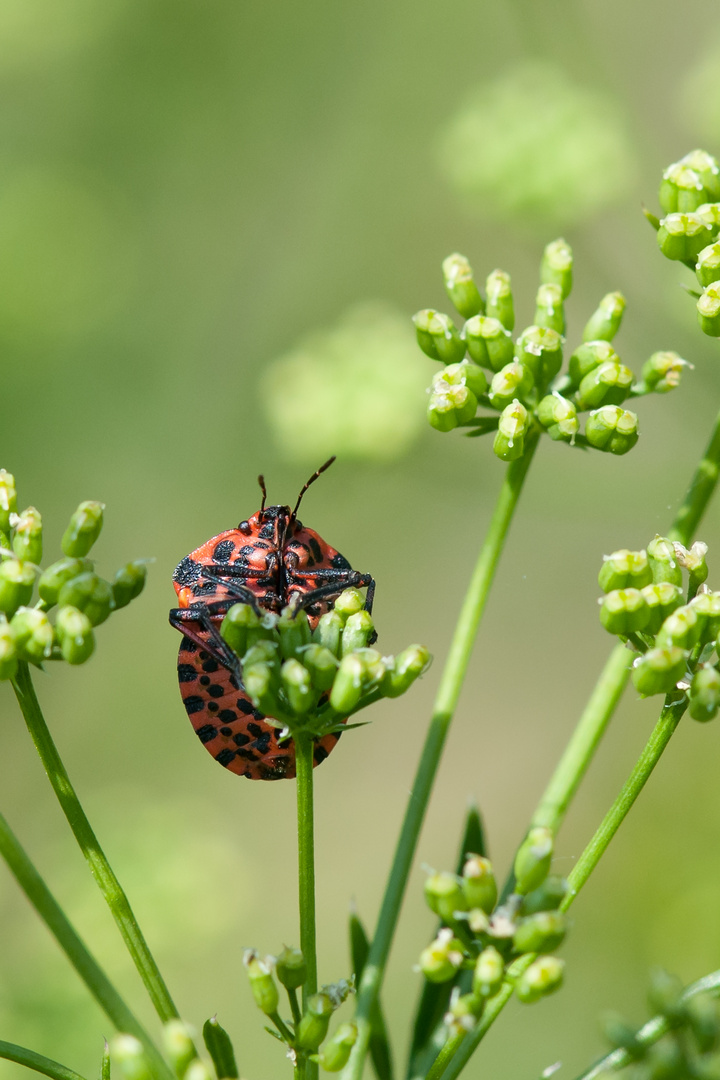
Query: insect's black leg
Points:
[213, 644]
[337, 580]
[238, 593]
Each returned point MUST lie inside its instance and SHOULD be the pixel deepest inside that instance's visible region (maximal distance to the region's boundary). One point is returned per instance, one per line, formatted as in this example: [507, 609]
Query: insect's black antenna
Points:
[261, 482]
[312, 480]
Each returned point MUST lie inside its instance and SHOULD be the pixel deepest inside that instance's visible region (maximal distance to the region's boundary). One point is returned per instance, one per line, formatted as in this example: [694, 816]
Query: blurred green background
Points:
[216, 218]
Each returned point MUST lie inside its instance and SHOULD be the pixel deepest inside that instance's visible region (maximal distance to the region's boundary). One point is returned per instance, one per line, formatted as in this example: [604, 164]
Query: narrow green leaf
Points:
[40, 1064]
[379, 1044]
[220, 1049]
[105, 1065]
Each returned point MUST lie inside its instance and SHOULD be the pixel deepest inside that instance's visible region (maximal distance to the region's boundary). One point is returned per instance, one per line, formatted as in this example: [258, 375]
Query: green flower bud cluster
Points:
[313, 679]
[82, 599]
[520, 383]
[675, 632]
[476, 934]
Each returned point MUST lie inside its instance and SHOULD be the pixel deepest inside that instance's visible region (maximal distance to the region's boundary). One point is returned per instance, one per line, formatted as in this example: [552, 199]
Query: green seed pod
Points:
[220, 1049]
[706, 166]
[558, 416]
[589, 356]
[291, 968]
[8, 651]
[348, 686]
[466, 373]
[489, 972]
[358, 630]
[706, 606]
[234, 627]
[658, 671]
[500, 298]
[128, 583]
[488, 342]
[540, 350]
[328, 631]
[514, 381]
[27, 540]
[707, 267]
[127, 1053]
[709, 213]
[681, 190]
[608, 384]
[262, 685]
[532, 862]
[407, 666]
[704, 693]
[313, 1026]
[295, 633]
[262, 984]
[75, 634]
[682, 628]
[509, 442]
[90, 594]
[54, 577]
[663, 561]
[662, 372]
[683, 236]
[33, 634]
[83, 529]
[557, 266]
[335, 1053]
[263, 652]
[441, 412]
[624, 611]
[543, 977]
[16, 585]
[422, 321]
[178, 1046]
[437, 336]
[442, 957]
[198, 1070]
[348, 603]
[542, 932]
[708, 309]
[612, 429]
[479, 885]
[548, 897]
[444, 895]
[460, 286]
[8, 499]
[604, 323]
[625, 570]
[694, 562]
[662, 599]
[549, 310]
[450, 406]
[322, 666]
[298, 687]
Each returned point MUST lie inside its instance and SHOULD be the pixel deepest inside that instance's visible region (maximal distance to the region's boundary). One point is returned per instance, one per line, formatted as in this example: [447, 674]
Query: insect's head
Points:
[284, 513]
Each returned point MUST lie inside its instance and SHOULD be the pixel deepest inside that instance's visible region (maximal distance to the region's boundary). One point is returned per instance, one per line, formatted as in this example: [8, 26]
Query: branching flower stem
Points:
[445, 702]
[101, 870]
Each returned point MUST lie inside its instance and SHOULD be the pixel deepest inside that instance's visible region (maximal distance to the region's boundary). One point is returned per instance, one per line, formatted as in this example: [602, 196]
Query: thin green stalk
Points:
[699, 493]
[101, 870]
[304, 748]
[72, 944]
[31, 1060]
[445, 703]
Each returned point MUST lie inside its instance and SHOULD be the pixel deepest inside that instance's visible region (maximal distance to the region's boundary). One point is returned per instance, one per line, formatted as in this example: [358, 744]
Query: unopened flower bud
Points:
[558, 416]
[659, 670]
[682, 628]
[54, 577]
[542, 932]
[128, 1054]
[322, 666]
[220, 1049]
[198, 1070]
[661, 373]
[441, 412]
[488, 342]
[294, 630]
[83, 529]
[708, 309]
[128, 583]
[612, 429]
[442, 957]
[709, 212]
[178, 1044]
[328, 631]
[348, 603]
[547, 897]
[663, 561]
[683, 236]
[291, 968]
[8, 499]
[540, 350]
[357, 631]
[549, 310]
[704, 1020]
[8, 651]
[262, 984]
[90, 594]
[235, 626]
[462, 1014]
[466, 373]
[625, 570]
[515, 380]
[75, 634]
[498, 292]
[706, 606]
[557, 266]
[335, 1054]
[479, 885]
[488, 973]
[543, 977]
[509, 442]
[437, 336]
[450, 405]
[662, 599]
[348, 686]
[624, 611]
[621, 1035]
[444, 895]
[706, 166]
[707, 267]
[693, 560]
[478, 921]
[16, 585]
[314, 1024]
[298, 687]
[27, 540]
[608, 384]
[604, 323]
[589, 356]
[33, 634]
[532, 862]
[407, 666]
[704, 694]
[460, 286]
[665, 995]
[681, 190]
[262, 684]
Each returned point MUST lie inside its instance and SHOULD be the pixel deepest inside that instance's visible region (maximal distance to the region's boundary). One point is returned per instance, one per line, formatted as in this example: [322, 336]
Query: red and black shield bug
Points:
[269, 560]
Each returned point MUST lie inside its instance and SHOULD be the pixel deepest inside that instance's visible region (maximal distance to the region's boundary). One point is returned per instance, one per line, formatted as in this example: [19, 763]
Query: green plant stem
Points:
[700, 492]
[31, 1060]
[444, 708]
[101, 870]
[304, 747]
[72, 945]
[294, 1007]
[652, 1031]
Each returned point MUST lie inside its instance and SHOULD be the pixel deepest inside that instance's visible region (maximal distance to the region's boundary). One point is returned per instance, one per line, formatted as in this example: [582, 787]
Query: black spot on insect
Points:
[203, 589]
[187, 572]
[261, 543]
[249, 755]
[223, 551]
[212, 706]
[215, 690]
[245, 528]
[339, 562]
[210, 665]
[245, 706]
[268, 531]
[226, 731]
[225, 756]
[262, 743]
[240, 739]
[186, 673]
[204, 655]
[234, 682]
[257, 715]
[255, 729]
[194, 704]
[227, 716]
[206, 733]
[246, 550]
[319, 754]
[316, 549]
[204, 680]
[187, 645]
